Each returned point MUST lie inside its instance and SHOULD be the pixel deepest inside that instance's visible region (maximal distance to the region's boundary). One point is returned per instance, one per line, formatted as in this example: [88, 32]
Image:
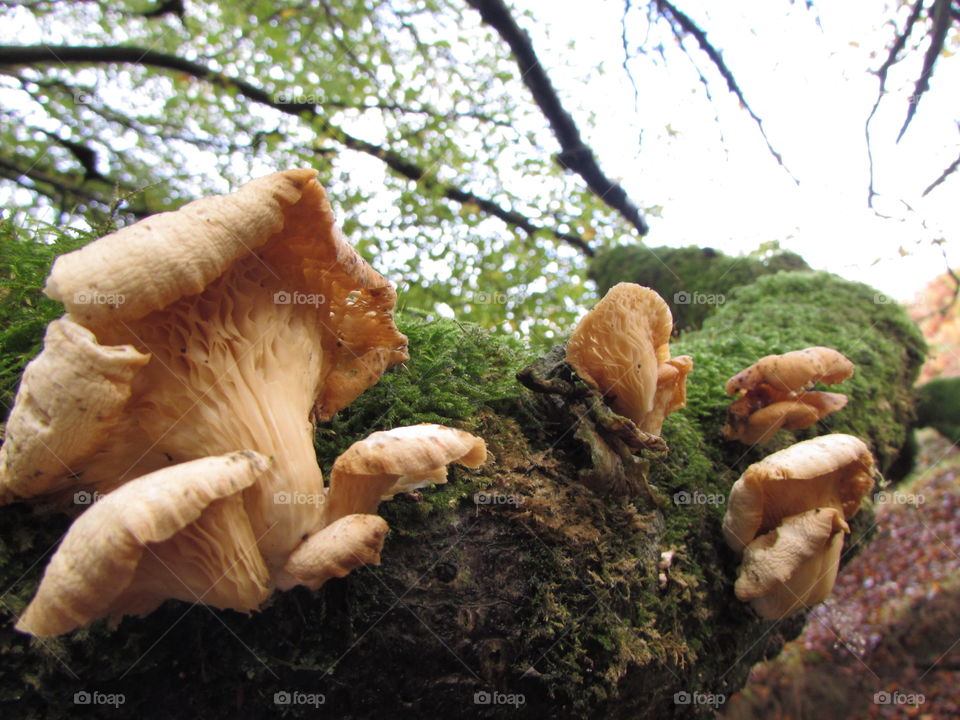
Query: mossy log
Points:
[693, 280]
[511, 589]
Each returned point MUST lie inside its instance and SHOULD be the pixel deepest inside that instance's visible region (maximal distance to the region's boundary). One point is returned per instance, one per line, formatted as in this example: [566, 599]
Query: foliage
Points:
[937, 313]
[343, 84]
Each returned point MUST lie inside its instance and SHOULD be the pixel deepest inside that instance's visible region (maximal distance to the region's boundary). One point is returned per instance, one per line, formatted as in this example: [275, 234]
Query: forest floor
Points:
[886, 644]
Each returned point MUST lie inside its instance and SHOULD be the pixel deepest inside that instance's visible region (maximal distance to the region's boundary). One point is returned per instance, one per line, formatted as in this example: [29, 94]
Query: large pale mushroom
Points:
[622, 347]
[787, 515]
[772, 393]
[229, 325]
[180, 532]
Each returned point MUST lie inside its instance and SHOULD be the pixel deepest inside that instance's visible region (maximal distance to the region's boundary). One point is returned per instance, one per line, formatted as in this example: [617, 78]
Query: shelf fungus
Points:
[773, 393]
[181, 389]
[787, 516]
[615, 382]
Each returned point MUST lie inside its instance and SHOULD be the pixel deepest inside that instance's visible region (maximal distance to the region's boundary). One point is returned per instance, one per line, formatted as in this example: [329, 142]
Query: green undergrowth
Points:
[25, 259]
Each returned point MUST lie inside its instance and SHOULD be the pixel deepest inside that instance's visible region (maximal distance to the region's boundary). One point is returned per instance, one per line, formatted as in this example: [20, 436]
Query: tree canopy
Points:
[434, 125]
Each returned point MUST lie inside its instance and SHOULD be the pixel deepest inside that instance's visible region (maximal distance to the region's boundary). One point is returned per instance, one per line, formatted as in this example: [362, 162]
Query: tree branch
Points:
[952, 168]
[575, 154]
[688, 27]
[60, 187]
[60, 54]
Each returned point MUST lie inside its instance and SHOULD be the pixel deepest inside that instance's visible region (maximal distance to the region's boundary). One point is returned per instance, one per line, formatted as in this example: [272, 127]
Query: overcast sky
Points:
[813, 88]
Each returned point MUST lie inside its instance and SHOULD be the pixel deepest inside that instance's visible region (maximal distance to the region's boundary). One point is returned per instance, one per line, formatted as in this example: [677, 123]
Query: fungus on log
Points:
[228, 326]
[772, 393]
[787, 515]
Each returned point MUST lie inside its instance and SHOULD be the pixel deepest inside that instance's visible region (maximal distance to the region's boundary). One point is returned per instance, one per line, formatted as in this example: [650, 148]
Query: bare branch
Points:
[688, 27]
[66, 55]
[574, 154]
[944, 175]
[938, 35]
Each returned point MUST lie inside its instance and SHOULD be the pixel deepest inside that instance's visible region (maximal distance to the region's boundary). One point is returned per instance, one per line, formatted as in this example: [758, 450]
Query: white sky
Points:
[813, 89]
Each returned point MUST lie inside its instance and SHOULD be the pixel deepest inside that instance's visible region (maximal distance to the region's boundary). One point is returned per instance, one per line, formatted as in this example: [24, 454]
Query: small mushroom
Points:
[830, 473]
[794, 565]
[395, 461]
[622, 348]
[772, 393]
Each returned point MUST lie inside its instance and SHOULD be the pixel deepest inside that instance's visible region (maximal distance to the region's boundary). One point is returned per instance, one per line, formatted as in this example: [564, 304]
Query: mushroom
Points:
[227, 325]
[780, 516]
[369, 471]
[622, 348]
[181, 532]
[794, 565]
[230, 325]
[771, 393]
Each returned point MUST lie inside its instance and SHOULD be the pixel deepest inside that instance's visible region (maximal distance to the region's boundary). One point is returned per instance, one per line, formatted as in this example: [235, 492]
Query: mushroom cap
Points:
[398, 460]
[794, 370]
[794, 565]
[620, 346]
[71, 397]
[98, 568]
[828, 471]
[797, 413]
[671, 393]
[338, 549]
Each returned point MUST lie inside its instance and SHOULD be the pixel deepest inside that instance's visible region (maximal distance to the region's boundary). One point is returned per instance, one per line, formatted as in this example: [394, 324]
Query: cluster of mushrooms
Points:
[199, 348]
[788, 513]
[180, 393]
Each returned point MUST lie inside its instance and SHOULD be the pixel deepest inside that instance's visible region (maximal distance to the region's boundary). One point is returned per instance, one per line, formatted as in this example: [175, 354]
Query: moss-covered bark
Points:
[693, 280]
[511, 582]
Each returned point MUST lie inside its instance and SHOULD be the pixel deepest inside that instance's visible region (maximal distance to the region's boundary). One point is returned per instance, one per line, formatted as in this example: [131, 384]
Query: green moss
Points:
[693, 280]
[790, 311]
[25, 260]
[454, 370]
[938, 406]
